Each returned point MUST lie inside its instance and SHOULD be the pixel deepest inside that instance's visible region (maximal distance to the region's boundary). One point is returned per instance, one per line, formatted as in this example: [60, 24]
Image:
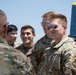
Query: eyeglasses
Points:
[53, 26]
[44, 23]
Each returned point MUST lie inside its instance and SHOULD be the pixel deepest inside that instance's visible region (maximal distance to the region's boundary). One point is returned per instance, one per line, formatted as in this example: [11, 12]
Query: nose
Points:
[15, 35]
[25, 35]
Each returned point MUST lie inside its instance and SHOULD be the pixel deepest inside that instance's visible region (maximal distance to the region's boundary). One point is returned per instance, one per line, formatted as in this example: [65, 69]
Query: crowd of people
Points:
[52, 54]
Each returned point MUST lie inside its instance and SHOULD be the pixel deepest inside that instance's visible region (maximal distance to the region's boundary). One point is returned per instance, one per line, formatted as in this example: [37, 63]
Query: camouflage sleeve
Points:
[37, 54]
[33, 58]
[68, 62]
[28, 66]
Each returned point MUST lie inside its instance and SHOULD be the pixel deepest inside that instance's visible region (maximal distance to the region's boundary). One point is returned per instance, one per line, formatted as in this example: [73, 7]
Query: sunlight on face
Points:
[57, 32]
[27, 36]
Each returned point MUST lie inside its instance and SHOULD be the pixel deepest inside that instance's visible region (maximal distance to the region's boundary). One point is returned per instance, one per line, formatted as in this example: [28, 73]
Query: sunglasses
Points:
[44, 23]
[53, 26]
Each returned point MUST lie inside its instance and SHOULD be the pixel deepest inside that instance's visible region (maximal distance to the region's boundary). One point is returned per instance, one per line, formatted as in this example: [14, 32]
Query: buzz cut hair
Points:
[2, 13]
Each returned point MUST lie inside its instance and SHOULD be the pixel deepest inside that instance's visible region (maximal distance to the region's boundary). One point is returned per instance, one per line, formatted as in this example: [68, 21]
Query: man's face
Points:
[44, 24]
[27, 36]
[11, 36]
[56, 29]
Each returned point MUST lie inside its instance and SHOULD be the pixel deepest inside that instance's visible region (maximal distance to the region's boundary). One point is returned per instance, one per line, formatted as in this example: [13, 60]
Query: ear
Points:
[65, 27]
[34, 35]
[5, 29]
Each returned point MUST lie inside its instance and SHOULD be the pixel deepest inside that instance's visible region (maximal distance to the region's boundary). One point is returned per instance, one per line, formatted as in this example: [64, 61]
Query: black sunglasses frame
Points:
[53, 26]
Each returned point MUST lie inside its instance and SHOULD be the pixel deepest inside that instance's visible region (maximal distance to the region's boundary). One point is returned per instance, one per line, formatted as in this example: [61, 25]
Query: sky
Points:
[22, 12]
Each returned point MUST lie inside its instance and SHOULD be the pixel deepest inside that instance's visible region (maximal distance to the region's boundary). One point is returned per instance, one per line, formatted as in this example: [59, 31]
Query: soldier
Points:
[60, 58]
[12, 61]
[11, 35]
[42, 43]
[27, 36]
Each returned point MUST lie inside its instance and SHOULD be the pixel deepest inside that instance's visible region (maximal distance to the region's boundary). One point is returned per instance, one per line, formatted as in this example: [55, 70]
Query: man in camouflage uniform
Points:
[27, 36]
[42, 43]
[60, 57]
[11, 35]
[12, 61]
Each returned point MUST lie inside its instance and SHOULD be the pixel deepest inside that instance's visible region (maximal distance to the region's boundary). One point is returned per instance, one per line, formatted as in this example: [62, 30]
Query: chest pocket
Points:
[54, 61]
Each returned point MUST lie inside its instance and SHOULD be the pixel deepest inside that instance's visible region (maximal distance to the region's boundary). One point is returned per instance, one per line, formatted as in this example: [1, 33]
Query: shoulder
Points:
[70, 43]
[44, 41]
[67, 43]
[69, 46]
[19, 46]
[40, 40]
[16, 44]
[17, 59]
[10, 51]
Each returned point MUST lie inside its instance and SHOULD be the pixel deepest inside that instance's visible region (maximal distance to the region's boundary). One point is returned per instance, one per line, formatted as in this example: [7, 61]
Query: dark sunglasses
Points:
[53, 26]
[44, 23]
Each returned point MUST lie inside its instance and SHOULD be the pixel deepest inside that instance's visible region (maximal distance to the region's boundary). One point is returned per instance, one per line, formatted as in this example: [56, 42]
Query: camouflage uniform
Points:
[13, 62]
[60, 59]
[26, 50]
[16, 44]
[38, 51]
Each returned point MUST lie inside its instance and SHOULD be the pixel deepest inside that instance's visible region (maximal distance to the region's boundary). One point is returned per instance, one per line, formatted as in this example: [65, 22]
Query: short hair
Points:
[48, 14]
[62, 18]
[28, 26]
[11, 27]
[2, 13]
[3, 16]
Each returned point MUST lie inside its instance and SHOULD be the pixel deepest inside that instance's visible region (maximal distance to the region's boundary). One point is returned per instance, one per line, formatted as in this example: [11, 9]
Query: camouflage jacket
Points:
[13, 62]
[60, 59]
[26, 50]
[16, 44]
[38, 51]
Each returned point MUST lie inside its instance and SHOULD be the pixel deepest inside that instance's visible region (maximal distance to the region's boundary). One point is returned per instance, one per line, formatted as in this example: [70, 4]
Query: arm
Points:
[68, 62]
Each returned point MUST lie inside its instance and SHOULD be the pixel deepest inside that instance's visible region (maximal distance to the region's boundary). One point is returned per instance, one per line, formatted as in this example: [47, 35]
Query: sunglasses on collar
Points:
[53, 26]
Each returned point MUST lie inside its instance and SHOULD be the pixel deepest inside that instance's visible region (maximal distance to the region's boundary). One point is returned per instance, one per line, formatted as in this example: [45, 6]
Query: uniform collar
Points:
[47, 40]
[61, 42]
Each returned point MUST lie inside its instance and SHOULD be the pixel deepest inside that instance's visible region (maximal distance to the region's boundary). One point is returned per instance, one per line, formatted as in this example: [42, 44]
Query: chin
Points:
[26, 42]
[53, 37]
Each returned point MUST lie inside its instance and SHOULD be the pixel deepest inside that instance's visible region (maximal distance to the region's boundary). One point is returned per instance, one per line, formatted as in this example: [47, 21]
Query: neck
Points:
[10, 42]
[59, 39]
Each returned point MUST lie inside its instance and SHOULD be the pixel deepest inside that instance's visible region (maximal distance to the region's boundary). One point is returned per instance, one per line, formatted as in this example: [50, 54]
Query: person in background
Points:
[60, 57]
[27, 36]
[11, 35]
[42, 43]
[12, 61]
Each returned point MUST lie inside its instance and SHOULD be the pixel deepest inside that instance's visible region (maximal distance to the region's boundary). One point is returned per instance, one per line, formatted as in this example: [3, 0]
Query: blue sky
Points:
[22, 12]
